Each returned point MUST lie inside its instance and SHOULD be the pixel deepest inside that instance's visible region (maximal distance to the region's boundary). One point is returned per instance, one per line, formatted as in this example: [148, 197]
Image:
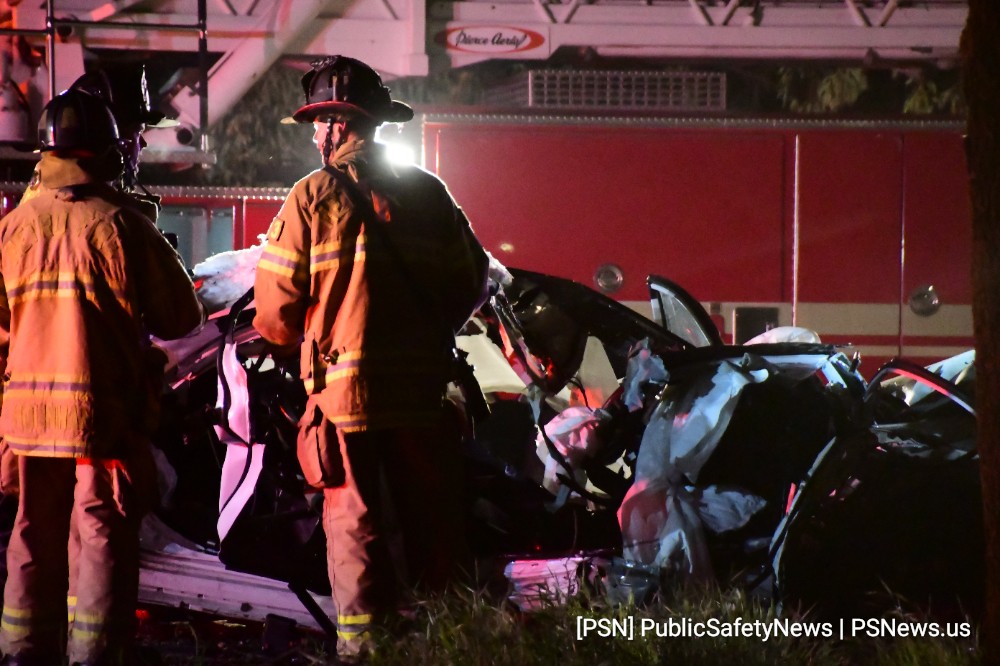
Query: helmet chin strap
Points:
[130, 149]
[329, 147]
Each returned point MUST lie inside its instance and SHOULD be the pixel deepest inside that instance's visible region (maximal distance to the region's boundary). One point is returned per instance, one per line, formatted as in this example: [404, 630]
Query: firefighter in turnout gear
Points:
[85, 280]
[370, 268]
[124, 89]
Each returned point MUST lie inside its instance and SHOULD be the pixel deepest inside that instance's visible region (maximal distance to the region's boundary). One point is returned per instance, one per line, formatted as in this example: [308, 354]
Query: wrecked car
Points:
[775, 466]
[629, 444]
[891, 514]
[645, 449]
[232, 489]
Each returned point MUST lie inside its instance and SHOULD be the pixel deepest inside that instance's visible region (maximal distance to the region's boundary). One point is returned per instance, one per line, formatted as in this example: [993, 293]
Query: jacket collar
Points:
[349, 150]
[59, 172]
[361, 158]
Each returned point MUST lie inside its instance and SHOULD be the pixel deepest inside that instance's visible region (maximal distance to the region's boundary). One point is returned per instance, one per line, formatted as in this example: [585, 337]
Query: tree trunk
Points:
[981, 74]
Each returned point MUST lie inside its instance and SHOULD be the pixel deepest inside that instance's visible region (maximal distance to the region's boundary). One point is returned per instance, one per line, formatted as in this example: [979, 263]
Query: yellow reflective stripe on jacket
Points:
[346, 365]
[384, 419]
[348, 635]
[58, 285]
[48, 275]
[326, 256]
[53, 448]
[396, 362]
[57, 386]
[53, 377]
[287, 263]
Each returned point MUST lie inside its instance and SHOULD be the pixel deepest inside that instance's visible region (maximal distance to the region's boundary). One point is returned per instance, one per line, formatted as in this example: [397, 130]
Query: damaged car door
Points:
[891, 515]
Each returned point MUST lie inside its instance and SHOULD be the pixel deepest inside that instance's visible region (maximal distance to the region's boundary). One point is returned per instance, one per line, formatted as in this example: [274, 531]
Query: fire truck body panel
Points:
[937, 240]
[830, 226]
[567, 199]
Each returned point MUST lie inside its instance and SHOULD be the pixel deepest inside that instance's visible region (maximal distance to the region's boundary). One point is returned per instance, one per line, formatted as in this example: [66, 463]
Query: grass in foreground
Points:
[467, 628]
[470, 627]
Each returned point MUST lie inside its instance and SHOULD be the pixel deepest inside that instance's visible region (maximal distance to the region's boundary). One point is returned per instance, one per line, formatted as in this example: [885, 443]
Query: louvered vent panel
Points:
[594, 89]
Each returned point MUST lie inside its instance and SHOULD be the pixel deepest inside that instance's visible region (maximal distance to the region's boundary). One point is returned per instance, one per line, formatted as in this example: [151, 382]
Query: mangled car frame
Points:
[647, 447]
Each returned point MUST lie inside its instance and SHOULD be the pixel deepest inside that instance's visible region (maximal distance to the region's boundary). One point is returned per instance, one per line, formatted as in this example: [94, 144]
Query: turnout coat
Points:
[84, 279]
[374, 334]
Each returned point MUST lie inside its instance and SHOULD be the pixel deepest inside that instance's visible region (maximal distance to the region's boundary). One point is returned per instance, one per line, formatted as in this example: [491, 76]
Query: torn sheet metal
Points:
[177, 572]
[893, 512]
[955, 370]
[664, 513]
[884, 521]
[199, 581]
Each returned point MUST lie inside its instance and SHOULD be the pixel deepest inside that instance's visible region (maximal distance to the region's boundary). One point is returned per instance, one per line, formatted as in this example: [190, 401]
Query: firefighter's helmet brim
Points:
[157, 120]
[396, 112]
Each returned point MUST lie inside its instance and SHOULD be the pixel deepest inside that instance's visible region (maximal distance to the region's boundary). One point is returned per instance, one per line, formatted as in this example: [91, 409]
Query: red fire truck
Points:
[859, 230]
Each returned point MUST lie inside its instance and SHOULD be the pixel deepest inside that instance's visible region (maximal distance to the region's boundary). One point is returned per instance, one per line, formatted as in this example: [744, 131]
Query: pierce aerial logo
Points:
[490, 39]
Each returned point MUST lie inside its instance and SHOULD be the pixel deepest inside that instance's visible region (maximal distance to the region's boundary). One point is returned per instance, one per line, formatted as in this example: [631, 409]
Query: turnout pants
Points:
[409, 476]
[99, 501]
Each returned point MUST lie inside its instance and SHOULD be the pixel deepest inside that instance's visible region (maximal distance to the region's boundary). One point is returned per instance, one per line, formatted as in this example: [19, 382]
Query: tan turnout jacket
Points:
[84, 279]
[372, 350]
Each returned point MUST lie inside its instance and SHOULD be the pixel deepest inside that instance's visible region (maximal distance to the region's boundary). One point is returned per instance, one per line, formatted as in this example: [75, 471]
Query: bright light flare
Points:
[400, 153]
